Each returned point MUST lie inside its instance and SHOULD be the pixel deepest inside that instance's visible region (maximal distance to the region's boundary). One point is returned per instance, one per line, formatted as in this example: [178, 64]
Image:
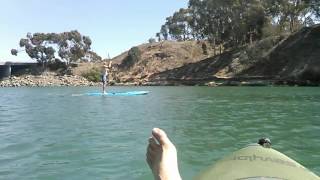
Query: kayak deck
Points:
[257, 162]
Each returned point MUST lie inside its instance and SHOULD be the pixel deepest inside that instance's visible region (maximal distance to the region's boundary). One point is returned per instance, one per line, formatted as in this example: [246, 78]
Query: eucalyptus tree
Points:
[177, 25]
[237, 22]
[164, 31]
[70, 46]
[36, 46]
[73, 46]
[198, 18]
[158, 35]
[290, 15]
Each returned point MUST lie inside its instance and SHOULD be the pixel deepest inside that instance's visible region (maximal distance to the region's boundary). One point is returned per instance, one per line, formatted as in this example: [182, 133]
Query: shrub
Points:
[152, 40]
[134, 55]
[93, 75]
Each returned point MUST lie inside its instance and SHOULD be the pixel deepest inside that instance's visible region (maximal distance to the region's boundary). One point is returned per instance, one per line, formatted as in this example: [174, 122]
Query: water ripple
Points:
[48, 133]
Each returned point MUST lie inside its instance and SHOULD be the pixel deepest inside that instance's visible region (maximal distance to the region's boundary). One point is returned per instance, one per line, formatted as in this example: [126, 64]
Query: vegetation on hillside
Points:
[236, 22]
[279, 59]
[144, 60]
[134, 55]
[93, 74]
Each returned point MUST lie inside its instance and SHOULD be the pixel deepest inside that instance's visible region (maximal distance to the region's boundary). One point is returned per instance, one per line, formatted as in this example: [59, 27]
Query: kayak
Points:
[257, 162]
[128, 93]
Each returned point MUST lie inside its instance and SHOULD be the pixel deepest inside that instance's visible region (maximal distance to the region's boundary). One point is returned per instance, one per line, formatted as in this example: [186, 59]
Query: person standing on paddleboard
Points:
[105, 75]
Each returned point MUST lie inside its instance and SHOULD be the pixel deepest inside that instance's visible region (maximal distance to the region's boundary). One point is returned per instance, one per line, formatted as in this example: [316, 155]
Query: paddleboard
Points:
[257, 162]
[128, 93]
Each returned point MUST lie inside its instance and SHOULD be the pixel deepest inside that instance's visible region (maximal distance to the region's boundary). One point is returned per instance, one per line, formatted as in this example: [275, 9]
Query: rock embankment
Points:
[46, 81]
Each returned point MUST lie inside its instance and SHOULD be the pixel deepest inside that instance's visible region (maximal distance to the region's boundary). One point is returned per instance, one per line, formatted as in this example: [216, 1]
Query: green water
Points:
[55, 133]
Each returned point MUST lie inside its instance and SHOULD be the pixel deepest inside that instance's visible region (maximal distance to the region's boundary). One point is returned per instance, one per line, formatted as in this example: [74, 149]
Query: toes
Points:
[161, 136]
[149, 159]
[151, 150]
[153, 144]
[151, 154]
[152, 140]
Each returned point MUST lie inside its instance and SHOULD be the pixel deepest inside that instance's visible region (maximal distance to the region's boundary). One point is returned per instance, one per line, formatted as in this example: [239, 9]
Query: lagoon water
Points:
[58, 133]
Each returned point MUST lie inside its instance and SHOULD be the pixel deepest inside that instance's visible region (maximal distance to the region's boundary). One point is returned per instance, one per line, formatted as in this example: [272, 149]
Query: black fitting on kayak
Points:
[265, 142]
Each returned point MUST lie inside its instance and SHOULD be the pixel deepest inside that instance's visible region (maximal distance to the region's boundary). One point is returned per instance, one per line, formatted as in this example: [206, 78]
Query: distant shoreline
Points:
[78, 81]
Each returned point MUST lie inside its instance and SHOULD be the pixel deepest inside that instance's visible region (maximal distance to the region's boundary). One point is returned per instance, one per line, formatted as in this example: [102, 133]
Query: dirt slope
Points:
[294, 59]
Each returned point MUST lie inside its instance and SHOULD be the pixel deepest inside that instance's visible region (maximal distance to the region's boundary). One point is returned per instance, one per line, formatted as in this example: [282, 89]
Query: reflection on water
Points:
[47, 133]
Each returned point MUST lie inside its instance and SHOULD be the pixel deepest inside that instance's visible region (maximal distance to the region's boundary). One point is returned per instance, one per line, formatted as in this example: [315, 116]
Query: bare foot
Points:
[162, 157]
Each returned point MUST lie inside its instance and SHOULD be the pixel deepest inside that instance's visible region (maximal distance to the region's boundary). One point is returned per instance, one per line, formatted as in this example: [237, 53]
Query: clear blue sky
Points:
[113, 25]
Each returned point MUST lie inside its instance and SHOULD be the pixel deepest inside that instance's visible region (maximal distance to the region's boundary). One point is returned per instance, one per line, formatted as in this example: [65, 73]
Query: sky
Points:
[114, 26]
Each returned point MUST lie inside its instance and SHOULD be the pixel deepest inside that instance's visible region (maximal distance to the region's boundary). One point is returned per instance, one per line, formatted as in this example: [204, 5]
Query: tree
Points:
[91, 57]
[290, 15]
[158, 35]
[152, 40]
[237, 22]
[36, 48]
[177, 26]
[14, 52]
[71, 46]
[134, 55]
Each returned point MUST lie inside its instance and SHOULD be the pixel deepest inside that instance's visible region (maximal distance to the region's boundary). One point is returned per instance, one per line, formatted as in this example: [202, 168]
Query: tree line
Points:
[66, 47]
[237, 22]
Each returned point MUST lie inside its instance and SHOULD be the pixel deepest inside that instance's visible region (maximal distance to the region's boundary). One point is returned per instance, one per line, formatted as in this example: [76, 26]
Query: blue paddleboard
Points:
[128, 93]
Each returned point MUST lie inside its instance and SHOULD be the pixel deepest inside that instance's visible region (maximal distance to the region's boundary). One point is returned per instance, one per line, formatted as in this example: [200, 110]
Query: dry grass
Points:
[186, 60]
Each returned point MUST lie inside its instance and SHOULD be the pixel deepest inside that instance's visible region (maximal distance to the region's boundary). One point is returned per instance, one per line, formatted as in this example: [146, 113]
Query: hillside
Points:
[276, 60]
[297, 58]
[159, 57]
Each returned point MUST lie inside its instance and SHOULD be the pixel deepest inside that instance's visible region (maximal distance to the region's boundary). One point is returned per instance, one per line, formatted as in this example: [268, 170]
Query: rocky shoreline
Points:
[74, 80]
[46, 81]
[233, 82]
